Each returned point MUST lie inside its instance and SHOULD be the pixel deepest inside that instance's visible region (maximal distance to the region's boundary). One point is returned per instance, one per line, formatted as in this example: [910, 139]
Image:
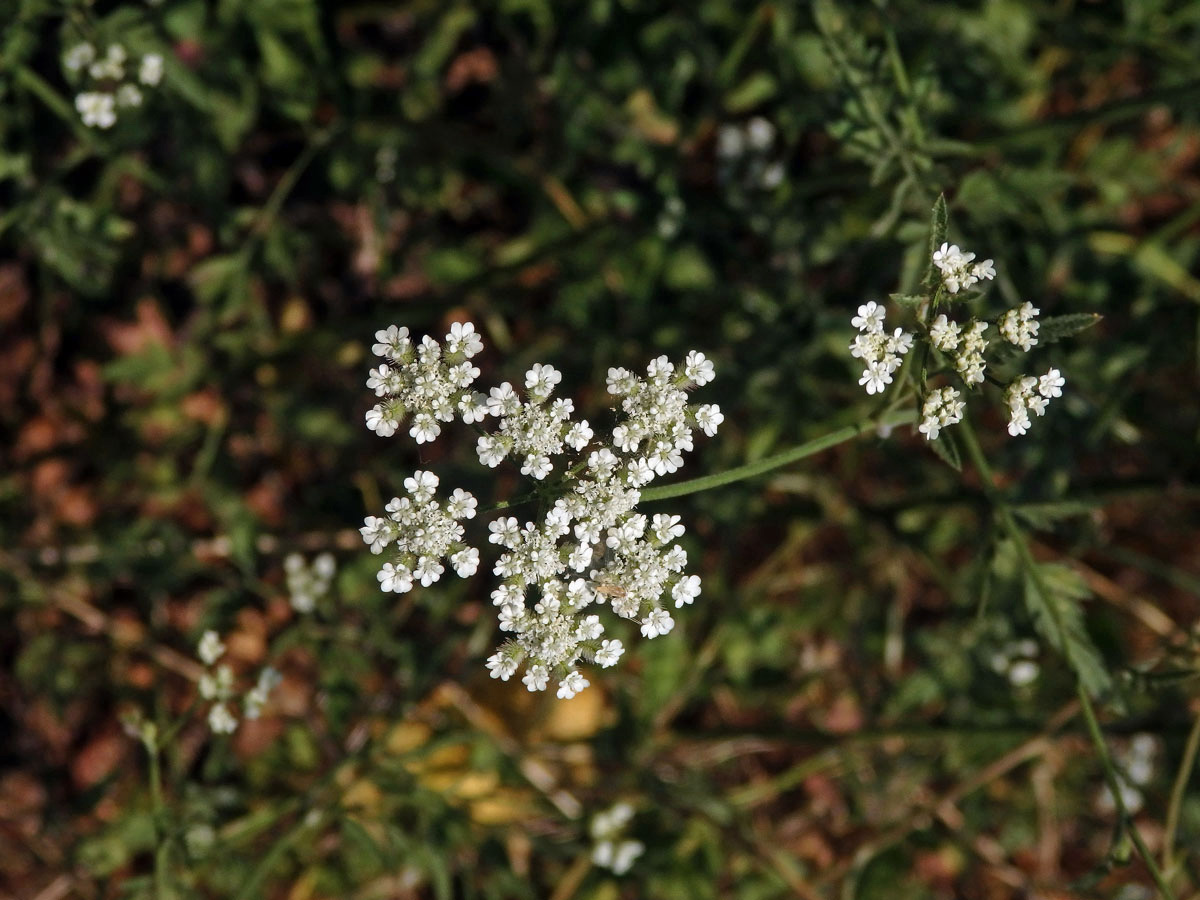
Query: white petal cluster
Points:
[590, 547]
[535, 429]
[1029, 394]
[941, 408]
[423, 534]
[880, 352]
[428, 380]
[611, 849]
[1020, 326]
[104, 84]
[216, 685]
[959, 270]
[969, 359]
[306, 583]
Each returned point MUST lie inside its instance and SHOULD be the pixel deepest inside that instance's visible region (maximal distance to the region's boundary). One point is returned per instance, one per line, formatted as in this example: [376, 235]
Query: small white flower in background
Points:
[610, 849]
[221, 720]
[1020, 326]
[150, 72]
[941, 408]
[1135, 770]
[1017, 661]
[308, 584]
[128, 95]
[96, 109]
[760, 133]
[112, 66]
[268, 680]
[210, 648]
[79, 56]
[1027, 393]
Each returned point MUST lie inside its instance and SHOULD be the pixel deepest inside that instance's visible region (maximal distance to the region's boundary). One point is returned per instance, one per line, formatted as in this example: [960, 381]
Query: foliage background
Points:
[187, 304]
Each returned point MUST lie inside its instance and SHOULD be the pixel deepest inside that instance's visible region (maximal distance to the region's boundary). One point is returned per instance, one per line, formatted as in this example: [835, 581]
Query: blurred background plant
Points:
[853, 707]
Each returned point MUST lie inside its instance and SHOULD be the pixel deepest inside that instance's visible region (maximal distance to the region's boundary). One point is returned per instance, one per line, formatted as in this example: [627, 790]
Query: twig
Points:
[1178, 789]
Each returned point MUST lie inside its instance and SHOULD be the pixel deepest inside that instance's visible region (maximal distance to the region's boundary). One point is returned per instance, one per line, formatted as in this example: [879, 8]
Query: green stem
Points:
[1178, 789]
[160, 813]
[975, 452]
[777, 460]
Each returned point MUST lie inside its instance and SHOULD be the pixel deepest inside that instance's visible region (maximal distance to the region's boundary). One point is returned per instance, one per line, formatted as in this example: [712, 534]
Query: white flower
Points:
[610, 651]
[709, 417]
[686, 590]
[666, 528]
[465, 562]
[463, 339]
[876, 378]
[501, 666]
[112, 66]
[128, 95]
[505, 531]
[97, 109]
[1019, 326]
[944, 333]
[421, 485]
[380, 422]
[571, 685]
[620, 381]
[395, 578]
[221, 720]
[210, 648]
[870, 317]
[424, 428]
[537, 466]
[428, 570]
[541, 380]
[461, 504]
[79, 56]
[941, 408]
[392, 343]
[536, 678]
[268, 680]
[578, 435]
[151, 70]
[698, 368]
[1051, 384]
[658, 622]
[759, 133]
[491, 451]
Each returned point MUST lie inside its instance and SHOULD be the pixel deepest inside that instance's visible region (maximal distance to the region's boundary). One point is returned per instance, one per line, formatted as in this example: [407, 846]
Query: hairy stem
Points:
[778, 460]
[1014, 532]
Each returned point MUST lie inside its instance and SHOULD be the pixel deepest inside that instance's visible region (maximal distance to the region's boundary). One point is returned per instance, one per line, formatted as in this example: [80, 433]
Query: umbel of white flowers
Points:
[591, 547]
[105, 85]
[962, 346]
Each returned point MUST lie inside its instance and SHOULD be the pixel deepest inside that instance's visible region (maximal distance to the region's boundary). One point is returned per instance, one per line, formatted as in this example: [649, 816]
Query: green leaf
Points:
[756, 89]
[1053, 594]
[1044, 515]
[946, 447]
[909, 300]
[939, 224]
[1055, 328]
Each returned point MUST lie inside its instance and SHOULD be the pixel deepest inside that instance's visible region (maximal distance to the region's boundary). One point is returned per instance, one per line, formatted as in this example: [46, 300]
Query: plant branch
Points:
[1013, 530]
[777, 460]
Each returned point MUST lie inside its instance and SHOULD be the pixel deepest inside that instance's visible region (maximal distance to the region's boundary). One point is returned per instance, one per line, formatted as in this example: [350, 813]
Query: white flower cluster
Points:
[941, 408]
[591, 546]
[611, 850]
[216, 685]
[879, 351]
[306, 583]
[428, 380]
[964, 345]
[106, 87]
[1020, 326]
[1027, 393]
[1017, 661]
[958, 268]
[424, 533]
[1136, 764]
[744, 153]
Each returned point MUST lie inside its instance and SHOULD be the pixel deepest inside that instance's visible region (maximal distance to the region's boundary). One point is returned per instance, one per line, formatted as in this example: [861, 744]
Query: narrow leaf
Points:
[1055, 328]
[946, 447]
[938, 227]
